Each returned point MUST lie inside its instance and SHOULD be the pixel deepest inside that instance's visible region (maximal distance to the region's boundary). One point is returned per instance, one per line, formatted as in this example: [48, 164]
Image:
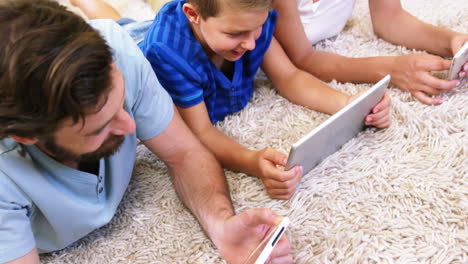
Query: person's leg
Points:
[95, 9]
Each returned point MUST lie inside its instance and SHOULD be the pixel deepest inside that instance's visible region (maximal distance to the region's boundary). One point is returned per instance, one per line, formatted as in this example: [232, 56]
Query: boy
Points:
[206, 54]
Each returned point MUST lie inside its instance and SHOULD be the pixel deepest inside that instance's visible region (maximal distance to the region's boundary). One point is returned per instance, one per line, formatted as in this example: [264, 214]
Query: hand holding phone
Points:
[457, 62]
[261, 253]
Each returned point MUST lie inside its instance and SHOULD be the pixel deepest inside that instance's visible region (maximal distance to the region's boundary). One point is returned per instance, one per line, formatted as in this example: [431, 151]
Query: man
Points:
[75, 97]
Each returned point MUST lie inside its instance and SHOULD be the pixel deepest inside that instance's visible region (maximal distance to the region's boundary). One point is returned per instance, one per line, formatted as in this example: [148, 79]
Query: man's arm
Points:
[201, 185]
[31, 258]
[197, 176]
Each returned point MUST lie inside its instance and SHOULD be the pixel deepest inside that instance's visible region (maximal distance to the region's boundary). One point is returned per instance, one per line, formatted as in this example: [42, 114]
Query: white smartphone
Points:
[261, 253]
[457, 62]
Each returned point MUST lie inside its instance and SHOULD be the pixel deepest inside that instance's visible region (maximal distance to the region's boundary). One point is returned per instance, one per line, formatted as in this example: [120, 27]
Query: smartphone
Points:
[457, 62]
[261, 253]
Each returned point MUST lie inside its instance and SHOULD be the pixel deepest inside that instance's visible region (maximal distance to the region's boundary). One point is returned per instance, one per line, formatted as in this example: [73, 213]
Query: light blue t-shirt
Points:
[47, 205]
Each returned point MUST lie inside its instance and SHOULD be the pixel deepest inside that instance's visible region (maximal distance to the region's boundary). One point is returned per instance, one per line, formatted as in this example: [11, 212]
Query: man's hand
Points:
[412, 73]
[457, 43]
[240, 234]
[380, 114]
[279, 184]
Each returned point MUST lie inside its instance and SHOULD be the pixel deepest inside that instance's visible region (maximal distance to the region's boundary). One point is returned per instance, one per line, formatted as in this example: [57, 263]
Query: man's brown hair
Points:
[211, 8]
[53, 66]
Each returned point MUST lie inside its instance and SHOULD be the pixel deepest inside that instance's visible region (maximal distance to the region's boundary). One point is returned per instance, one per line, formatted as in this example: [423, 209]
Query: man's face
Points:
[231, 33]
[102, 133]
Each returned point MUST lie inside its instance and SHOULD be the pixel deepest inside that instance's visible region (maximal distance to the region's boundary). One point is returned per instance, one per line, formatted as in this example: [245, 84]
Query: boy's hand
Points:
[380, 114]
[412, 73]
[240, 234]
[280, 184]
[457, 43]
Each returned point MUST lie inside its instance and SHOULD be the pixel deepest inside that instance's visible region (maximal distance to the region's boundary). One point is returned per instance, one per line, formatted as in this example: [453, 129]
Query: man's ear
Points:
[24, 140]
[191, 12]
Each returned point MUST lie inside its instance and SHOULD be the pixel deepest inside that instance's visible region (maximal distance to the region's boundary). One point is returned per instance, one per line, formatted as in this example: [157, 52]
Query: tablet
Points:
[458, 61]
[329, 136]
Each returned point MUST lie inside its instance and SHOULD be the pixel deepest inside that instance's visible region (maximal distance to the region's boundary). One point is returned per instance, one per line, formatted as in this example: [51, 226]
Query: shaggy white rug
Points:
[398, 195]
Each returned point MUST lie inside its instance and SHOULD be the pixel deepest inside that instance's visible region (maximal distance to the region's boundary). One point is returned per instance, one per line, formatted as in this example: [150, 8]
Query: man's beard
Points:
[110, 146]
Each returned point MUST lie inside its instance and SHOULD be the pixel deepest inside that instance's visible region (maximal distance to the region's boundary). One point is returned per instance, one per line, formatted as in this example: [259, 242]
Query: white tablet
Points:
[329, 136]
[458, 61]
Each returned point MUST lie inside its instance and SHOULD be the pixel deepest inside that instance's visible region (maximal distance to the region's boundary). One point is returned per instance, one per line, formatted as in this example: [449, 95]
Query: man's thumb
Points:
[262, 216]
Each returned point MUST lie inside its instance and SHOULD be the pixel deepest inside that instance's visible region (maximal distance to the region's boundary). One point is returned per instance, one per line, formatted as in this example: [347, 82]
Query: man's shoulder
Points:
[10, 149]
[12, 157]
[126, 55]
[7, 144]
[116, 37]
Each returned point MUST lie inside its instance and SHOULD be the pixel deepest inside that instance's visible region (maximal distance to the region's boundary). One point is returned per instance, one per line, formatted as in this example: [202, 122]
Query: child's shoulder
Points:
[171, 35]
[170, 26]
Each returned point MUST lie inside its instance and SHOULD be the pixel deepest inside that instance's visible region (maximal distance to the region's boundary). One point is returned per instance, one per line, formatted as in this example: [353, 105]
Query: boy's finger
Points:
[382, 112]
[383, 104]
[381, 123]
[281, 177]
[280, 197]
[276, 157]
[281, 194]
[285, 186]
[370, 119]
[377, 122]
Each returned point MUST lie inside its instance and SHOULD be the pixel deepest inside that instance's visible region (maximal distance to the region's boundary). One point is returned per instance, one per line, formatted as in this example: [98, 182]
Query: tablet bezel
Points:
[457, 62]
[350, 117]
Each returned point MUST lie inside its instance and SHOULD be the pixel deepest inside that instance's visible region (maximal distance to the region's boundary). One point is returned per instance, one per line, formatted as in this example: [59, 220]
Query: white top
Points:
[324, 18]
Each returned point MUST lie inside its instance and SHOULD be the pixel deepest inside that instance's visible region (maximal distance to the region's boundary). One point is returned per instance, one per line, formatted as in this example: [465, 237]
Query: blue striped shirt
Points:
[186, 72]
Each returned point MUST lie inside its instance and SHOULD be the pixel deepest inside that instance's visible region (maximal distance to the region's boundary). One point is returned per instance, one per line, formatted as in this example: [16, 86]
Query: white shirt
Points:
[324, 18]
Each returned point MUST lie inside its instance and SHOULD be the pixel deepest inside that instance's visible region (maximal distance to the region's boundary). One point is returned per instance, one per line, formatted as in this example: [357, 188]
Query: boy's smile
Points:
[230, 34]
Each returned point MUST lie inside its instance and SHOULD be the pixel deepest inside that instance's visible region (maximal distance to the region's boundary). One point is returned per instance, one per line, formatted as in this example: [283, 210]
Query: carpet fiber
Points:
[398, 195]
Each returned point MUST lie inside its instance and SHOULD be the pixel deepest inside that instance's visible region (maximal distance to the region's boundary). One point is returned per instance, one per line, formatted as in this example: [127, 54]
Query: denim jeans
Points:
[136, 29]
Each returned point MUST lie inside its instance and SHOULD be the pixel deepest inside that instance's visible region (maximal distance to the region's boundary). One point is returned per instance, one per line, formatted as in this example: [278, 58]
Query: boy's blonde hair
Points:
[211, 8]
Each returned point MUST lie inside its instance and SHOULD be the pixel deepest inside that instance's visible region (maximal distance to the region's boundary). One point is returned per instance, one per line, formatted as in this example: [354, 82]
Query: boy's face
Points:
[231, 33]
[102, 134]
